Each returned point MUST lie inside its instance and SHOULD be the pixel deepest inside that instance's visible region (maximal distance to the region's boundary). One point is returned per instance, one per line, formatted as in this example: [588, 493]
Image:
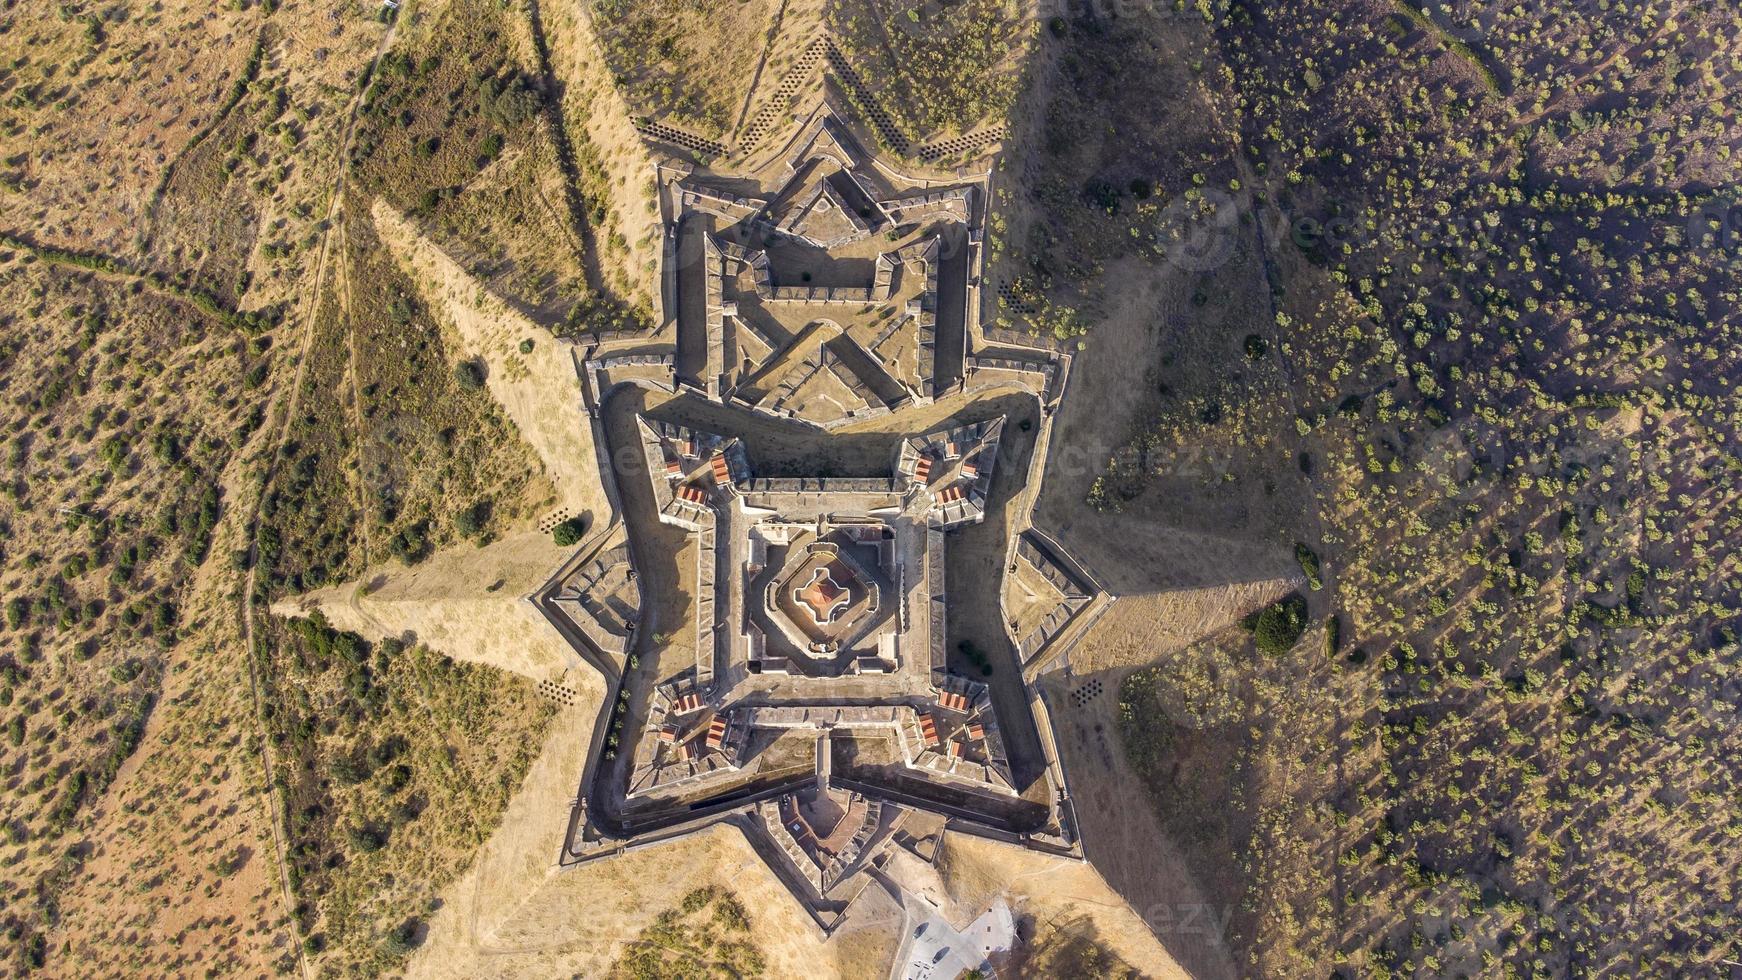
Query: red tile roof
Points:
[824, 595]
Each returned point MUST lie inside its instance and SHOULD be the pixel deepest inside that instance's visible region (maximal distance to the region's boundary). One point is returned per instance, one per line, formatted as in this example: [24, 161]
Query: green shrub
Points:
[469, 521]
[469, 375]
[367, 838]
[410, 544]
[407, 936]
[1278, 627]
[569, 532]
[694, 901]
[1309, 565]
[491, 148]
[730, 914]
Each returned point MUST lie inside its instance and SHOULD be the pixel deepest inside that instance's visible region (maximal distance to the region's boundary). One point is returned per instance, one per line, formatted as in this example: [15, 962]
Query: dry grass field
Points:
[115, 483]
[176, 166]
[690, 64]
[938, 69]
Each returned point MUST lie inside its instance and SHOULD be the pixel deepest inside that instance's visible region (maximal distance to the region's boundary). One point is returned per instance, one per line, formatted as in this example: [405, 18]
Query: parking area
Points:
[935, 950]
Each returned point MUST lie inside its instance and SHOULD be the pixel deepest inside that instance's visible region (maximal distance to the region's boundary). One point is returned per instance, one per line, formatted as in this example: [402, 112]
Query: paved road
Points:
[937, 953]
[932, 949]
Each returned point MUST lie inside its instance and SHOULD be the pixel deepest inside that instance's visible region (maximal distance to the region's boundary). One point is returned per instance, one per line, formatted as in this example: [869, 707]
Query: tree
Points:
[1277, 627]
[568, 533]
[407, 936]
[1309, 565]
[469, 375]
[468, 521]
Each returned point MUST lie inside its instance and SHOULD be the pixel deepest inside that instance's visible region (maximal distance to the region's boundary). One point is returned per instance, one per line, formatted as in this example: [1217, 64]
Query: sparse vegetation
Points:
[165, 191]
[708, 935]
[101, 554]
[1504, 300]
[691, 62]
[938, 68]
[393, 763]
[1069, 951]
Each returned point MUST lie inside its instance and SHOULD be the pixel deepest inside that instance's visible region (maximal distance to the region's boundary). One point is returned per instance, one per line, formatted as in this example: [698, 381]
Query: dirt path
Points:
[310, 310]
[466, 602]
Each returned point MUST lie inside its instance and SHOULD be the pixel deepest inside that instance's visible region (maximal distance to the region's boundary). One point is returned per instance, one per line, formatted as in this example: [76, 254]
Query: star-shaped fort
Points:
[811, 605]
[796, 471]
